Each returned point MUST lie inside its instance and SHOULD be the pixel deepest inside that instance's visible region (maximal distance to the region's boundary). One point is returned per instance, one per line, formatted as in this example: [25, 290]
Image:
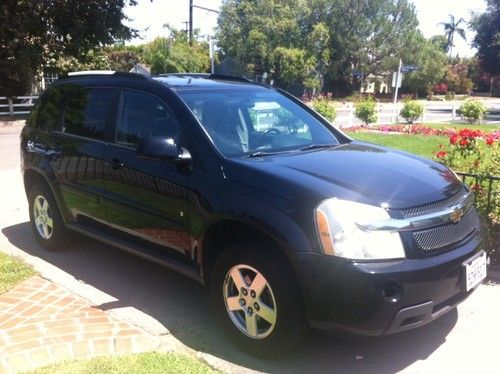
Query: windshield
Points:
[256, 122]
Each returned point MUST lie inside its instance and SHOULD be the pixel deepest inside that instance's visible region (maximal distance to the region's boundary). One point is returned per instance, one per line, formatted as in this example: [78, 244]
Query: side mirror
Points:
[162, 149]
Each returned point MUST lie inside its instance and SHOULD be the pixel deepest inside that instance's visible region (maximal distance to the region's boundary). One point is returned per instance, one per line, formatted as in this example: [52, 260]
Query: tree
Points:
[487, 39]
[457, 78]
[450, 28]
[175, 55]
[440, 41]
[432, 63]
[34, 31]
[338, 36]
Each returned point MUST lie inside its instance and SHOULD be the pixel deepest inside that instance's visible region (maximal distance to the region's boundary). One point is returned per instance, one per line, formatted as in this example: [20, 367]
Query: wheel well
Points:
[31, 177]
[219, 235]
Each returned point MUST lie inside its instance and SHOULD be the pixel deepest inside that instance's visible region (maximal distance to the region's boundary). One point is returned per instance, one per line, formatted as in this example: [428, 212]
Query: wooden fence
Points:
[12, 106]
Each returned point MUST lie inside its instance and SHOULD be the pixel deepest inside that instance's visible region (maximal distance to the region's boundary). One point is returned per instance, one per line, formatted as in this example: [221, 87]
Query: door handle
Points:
[116, 164]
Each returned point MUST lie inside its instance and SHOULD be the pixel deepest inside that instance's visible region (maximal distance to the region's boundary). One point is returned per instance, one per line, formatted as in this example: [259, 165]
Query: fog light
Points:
[392, 291]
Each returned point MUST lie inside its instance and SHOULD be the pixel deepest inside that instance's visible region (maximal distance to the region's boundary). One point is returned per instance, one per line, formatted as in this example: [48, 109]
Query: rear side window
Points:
[46, 114]
[143, 116]
[87, 111]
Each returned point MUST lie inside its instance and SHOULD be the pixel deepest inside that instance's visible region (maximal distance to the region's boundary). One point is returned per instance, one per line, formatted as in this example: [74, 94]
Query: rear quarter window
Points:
[46, 114]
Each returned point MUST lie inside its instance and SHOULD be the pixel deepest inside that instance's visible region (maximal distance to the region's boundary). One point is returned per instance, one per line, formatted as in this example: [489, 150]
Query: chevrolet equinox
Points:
[289, 223]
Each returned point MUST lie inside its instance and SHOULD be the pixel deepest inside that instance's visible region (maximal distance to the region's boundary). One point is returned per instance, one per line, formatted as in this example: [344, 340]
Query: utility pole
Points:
[191, 22]
[191, 6]
[395, 108]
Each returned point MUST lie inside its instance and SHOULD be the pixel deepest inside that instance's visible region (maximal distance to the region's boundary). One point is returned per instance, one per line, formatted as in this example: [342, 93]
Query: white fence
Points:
[12, 106]
[434, 112]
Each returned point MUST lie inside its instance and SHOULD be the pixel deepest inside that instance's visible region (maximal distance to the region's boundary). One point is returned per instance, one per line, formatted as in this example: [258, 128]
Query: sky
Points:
[150, 16]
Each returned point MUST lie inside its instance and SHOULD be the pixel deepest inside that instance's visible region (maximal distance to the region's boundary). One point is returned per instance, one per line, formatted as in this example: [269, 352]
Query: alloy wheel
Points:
[43, 220]
[250, 301]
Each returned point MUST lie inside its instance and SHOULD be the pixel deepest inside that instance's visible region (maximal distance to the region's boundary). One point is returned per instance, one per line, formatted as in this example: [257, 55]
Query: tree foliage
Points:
[175, 55]
[487, 39]
[451, 28]
[35, 31]
[431, 61]
[324, 39]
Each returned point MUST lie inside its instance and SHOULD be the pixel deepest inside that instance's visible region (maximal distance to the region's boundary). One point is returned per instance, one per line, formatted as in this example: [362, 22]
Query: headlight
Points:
[340, 236]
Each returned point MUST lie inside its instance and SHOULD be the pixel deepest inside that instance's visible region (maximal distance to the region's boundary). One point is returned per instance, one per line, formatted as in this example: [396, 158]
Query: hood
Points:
[356, 171]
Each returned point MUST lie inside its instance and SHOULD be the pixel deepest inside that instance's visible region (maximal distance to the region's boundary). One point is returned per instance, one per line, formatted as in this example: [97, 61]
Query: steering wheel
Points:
[272, 130]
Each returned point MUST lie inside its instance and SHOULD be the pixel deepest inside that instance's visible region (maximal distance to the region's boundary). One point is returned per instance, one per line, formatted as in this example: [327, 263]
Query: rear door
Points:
[146, 199]
[79, 148]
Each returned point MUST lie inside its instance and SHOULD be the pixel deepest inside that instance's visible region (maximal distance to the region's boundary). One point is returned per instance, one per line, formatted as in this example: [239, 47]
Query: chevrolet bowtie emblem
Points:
[456, 215]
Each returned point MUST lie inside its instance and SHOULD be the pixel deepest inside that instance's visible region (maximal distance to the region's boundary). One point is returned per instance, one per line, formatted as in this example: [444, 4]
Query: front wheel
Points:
[257, 301]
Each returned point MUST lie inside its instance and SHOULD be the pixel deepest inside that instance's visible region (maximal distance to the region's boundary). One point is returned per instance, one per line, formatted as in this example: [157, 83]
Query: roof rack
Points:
[207, 76]
[87, 73]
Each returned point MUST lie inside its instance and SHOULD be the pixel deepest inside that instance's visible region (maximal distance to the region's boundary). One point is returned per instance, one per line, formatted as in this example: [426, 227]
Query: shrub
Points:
[324, 107]
[475, 152]
[473, 111]
[441, 88]
[366, 111]
[411, 110]
[450, 95]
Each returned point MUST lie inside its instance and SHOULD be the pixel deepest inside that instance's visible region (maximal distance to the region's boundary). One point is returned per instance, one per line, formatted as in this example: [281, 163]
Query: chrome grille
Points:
[441, 237]
[434, 207]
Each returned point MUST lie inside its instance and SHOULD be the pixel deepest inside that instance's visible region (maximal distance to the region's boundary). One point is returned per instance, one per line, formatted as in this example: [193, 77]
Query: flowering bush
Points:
[474, 152]
[441, 88]
[407, 129]
[473, 111]
[323, 106]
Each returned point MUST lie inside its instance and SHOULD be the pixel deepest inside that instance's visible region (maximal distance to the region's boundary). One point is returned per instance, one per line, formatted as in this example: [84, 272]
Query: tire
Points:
[46, 220]
[279, 300]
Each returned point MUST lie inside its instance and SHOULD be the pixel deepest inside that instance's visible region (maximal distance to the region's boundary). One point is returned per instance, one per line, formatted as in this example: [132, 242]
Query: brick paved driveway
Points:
[41, 323]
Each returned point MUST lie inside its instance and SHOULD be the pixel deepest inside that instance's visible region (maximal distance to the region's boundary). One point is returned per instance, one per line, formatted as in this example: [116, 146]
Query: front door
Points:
[146, 199]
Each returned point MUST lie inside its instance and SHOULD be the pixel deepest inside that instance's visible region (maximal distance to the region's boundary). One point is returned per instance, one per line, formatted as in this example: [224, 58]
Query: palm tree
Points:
[450, 28]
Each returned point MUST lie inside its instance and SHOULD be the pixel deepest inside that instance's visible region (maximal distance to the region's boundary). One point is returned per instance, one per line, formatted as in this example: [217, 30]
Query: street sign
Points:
[357, 74]
[408, 68]
[400, 80]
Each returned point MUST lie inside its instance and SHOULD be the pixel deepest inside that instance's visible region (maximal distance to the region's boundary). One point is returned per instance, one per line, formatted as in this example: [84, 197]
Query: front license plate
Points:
[475, 270]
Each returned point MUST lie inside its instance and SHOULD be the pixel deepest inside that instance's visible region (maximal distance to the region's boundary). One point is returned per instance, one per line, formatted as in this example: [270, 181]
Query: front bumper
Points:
[376, 298]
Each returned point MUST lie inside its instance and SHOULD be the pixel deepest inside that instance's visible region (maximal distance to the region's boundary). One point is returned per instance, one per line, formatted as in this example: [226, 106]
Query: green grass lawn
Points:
[12, 272]
[425, 146]
[147, 363]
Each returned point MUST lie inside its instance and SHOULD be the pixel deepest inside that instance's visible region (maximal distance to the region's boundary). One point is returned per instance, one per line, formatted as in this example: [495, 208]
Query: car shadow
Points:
[182, 306]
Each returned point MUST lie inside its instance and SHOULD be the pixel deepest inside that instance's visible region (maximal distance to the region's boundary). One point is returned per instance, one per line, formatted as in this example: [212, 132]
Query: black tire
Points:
[290, 328]
[58, 233]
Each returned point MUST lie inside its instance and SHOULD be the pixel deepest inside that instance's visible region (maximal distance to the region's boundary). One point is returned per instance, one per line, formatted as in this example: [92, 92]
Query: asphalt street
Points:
[165, 303]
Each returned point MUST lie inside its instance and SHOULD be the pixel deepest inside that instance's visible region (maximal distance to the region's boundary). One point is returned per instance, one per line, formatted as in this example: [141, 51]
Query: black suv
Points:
[289, 222]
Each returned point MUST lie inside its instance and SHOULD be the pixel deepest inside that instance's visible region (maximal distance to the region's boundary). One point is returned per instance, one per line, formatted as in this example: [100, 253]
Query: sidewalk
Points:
[42, 323]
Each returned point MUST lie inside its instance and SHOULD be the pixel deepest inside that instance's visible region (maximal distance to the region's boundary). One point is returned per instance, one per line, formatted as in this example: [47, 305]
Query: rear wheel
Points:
[46, 221]
[256, 300]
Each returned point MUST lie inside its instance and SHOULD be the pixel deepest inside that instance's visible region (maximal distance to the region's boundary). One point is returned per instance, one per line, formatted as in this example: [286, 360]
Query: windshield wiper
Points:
[318, 146]
[261, 154]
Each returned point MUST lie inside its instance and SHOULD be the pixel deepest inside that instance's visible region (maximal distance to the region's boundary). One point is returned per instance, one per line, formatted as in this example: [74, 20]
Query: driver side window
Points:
[143, 116]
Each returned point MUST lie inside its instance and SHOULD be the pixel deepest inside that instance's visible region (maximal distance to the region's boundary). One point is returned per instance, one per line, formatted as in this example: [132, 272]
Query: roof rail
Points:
[230, 78]
[87, 73]
[207, 76]
[185, 75]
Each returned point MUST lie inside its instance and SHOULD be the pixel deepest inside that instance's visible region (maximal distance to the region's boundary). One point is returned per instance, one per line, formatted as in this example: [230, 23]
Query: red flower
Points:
[464, 142]
[490, 140]
[453, 139]
[441, 154]
[476, 187]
